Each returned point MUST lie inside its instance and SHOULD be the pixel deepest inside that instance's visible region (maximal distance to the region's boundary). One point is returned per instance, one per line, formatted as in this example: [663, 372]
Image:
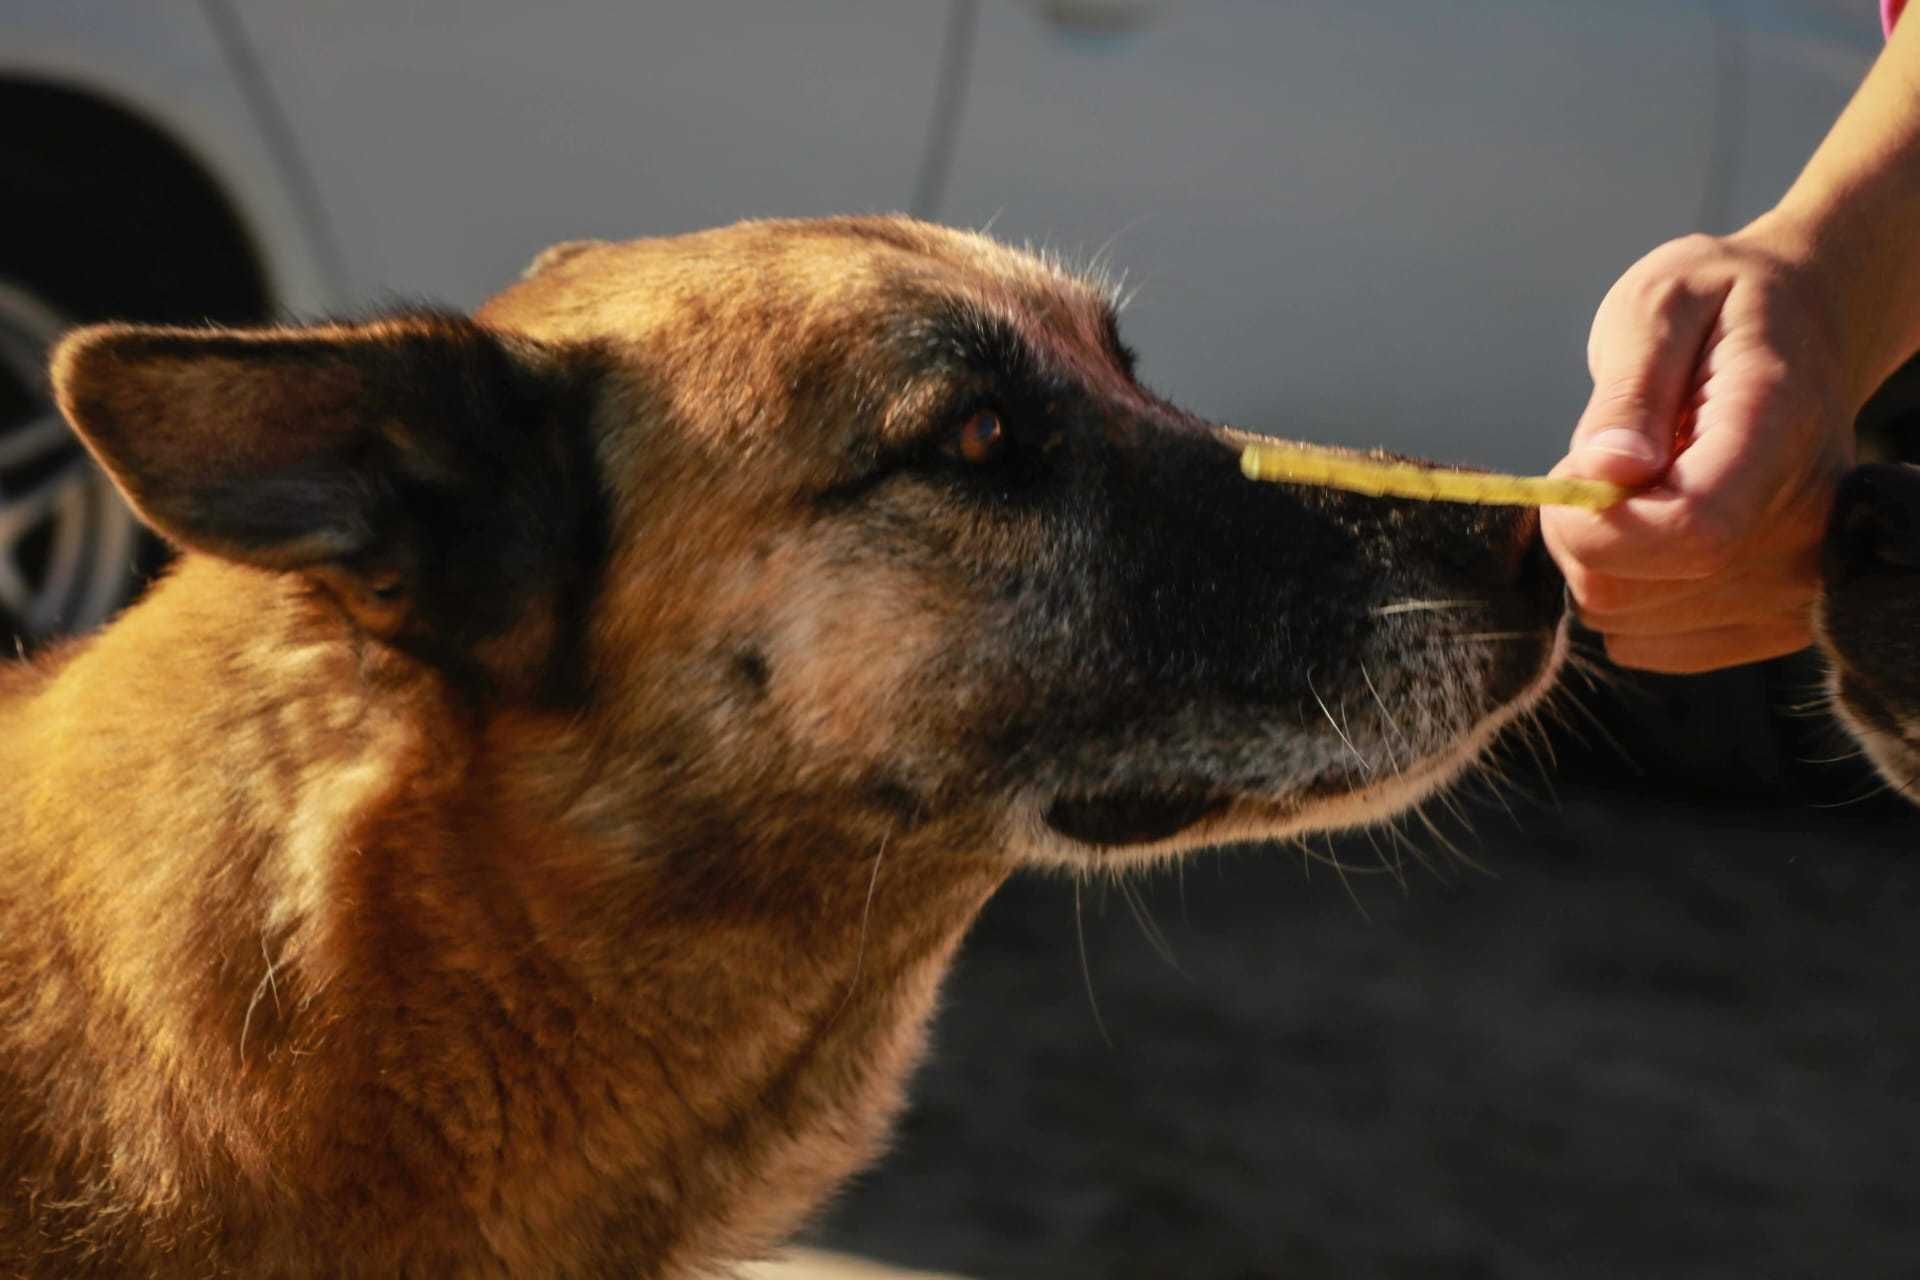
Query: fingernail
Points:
[1625, 442]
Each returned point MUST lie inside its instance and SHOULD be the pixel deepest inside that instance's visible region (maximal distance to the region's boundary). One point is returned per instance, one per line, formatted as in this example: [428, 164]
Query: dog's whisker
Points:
[1149, 927]
[1418, 606]
[1497, 782]
[1406, 841]
[1606, 735]
[1086, 969]
[1346, 727]
[1447, 800]
[1331, 859]
[1393, 725]
[866, 918]
[1388, 855]
[1877, 788]
[272, 984]
[1819, 703]
[1459, 855]
[267, 983]
[1340, 870]
[1597, 674]
[1366, 766]
[1528, 732]
[1842, 758]
[1546, 761]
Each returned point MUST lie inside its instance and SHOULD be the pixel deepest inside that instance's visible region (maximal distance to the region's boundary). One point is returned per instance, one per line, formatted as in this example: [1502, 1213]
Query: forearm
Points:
[1853, 216]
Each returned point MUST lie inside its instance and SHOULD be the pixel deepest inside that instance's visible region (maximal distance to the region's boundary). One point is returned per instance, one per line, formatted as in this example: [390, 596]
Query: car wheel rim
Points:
[66, 540]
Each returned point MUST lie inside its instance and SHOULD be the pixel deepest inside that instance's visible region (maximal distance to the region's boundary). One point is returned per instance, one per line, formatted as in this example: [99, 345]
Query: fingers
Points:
[1643, 350]
[1616, 608]
[1645, 353]
[1660, 537]
[1709, 650]
[1779, 553]
[1715, 394]
[1759, 431]
[1757, 609]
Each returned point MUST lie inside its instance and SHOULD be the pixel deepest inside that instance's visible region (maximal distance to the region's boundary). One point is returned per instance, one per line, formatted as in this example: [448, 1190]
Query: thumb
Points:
[1644, 359]
[1630, 450]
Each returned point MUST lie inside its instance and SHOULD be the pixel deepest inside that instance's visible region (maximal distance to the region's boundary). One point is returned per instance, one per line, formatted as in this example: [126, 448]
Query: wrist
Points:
[1859, 285]
[1848, 219]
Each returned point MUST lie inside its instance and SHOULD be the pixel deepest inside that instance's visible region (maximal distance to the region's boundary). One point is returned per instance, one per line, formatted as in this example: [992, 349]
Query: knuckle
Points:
[1679, 256]
[1665, 298]
[1606, 596]
[1788, 634]
[1618, 401]
[1668, 289]
[1662, 654]
[1626, 651]
[1696, 244]
[1580, 580]
[1701, 540]
[1597, 337]
[1594, 592]
[1601, 625]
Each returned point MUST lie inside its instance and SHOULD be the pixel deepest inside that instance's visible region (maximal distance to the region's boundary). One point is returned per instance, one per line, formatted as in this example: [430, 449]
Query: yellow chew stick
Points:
[1386, 477]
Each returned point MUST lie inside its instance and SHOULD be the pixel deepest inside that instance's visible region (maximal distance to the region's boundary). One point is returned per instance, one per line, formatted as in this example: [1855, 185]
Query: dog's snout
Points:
[1875, 525]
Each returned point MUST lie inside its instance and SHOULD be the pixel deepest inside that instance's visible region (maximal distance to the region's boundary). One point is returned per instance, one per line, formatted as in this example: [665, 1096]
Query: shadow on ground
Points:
[1646, 1039]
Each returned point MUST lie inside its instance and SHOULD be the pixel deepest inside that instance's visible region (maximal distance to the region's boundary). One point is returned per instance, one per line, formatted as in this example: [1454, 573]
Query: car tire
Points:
[70, 550]
[109, 218]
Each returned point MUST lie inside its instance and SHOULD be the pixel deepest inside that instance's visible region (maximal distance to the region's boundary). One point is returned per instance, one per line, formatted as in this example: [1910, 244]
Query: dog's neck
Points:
[687, 1041]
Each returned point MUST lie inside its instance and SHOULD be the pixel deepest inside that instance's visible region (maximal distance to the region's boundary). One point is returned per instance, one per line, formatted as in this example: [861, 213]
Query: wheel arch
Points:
[116, 216]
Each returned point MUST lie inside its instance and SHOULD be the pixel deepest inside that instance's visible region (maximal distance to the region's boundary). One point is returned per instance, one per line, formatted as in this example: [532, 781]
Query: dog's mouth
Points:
[1182, 811]
[1132, 817]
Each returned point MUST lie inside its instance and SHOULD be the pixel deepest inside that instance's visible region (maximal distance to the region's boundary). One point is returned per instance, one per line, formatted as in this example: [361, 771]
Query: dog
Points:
[1867, 620]
[524, 832]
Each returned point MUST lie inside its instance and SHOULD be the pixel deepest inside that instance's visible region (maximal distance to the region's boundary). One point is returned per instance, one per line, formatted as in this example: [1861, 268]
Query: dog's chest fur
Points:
[385, 1008]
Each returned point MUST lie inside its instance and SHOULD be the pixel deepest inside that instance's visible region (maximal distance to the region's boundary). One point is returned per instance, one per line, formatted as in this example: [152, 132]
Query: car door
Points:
[1380, 223]
[451, 141]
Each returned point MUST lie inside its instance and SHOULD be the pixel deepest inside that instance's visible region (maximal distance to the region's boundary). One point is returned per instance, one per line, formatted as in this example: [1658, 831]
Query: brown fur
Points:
[525, 833]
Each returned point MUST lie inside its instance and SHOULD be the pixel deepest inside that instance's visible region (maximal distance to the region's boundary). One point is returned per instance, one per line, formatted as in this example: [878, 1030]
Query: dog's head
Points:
[858, 522]
[1868, 621]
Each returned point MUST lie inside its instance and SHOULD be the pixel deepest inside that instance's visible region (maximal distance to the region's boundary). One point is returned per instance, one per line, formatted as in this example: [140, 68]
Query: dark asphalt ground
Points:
[1650, 1037]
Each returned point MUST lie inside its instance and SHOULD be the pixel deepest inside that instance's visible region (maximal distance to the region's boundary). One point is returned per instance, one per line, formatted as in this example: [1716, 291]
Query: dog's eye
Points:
[981, 439]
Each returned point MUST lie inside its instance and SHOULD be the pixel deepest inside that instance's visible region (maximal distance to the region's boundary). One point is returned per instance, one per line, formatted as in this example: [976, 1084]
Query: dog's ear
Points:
[404, 463]
[555, 255]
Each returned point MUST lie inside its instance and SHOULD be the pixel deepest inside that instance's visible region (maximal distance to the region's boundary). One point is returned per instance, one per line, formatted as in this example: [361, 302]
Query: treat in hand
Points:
[1383, 476]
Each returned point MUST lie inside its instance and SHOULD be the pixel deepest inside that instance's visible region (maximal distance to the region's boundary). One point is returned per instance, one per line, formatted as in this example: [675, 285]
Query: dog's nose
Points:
[1875, 525]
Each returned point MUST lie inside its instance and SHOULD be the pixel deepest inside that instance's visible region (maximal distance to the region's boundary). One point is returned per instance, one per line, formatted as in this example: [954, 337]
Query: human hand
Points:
[1721, 385]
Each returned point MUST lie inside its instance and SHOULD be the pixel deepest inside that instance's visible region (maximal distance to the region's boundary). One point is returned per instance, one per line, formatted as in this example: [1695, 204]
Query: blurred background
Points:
[1661, 1024]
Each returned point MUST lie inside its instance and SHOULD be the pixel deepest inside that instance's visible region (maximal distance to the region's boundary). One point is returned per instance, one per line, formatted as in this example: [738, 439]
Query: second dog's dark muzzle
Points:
[1875, 525]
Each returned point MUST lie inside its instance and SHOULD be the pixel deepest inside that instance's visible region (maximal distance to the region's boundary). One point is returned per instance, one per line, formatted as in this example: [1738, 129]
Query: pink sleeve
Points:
[1890, 13]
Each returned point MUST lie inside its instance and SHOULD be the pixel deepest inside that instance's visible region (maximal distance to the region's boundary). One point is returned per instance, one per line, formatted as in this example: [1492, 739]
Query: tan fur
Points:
[310, 964]
[372, 958]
